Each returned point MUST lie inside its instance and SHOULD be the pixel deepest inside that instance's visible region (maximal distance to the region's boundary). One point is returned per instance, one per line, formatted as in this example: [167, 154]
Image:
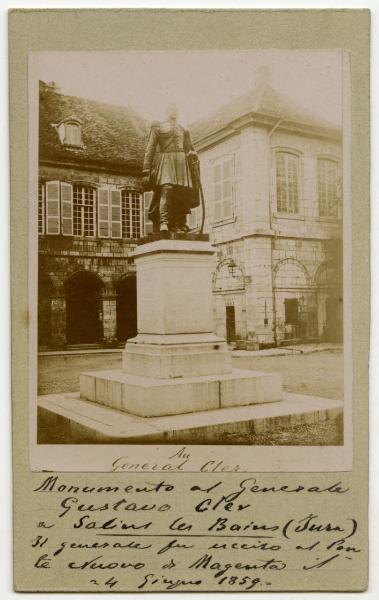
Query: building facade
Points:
[272, 188]
[90, 216]
[272, 182]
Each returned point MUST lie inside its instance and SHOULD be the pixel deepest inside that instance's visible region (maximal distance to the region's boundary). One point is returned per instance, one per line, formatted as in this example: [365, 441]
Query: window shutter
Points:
[147, 224]
[103, 212]
[72, 136]
[116, 231]
[223, 185]
[52, 208]
[66, 208]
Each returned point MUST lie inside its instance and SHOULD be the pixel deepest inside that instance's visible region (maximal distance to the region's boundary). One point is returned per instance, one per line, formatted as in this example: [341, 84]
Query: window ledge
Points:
[291, 216]
[223, 222]
[73, 146]
[328, 219]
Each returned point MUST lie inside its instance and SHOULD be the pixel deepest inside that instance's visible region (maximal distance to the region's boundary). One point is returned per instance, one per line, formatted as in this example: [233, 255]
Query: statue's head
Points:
[172, 111]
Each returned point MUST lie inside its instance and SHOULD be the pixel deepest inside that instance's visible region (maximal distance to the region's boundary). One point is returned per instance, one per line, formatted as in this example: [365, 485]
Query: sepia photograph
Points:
[190, 306]
[189, 225]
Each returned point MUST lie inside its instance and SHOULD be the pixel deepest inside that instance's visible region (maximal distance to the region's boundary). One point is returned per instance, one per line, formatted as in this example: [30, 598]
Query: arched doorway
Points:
[295, 312]
[229, 291]
[84, 309]
[45, 292]
[126, 308]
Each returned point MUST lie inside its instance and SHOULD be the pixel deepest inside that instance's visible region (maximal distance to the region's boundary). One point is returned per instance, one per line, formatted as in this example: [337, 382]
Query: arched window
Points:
[327, 179]
[287, 182]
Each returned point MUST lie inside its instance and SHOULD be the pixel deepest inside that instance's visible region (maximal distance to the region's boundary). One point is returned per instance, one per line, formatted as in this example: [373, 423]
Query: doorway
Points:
[230, 324]
[126, 308]
[83, 309]
[333, 325]
[45, 291]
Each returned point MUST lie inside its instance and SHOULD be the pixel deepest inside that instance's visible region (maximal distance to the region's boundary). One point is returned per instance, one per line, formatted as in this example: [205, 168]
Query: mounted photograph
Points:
[189, 243]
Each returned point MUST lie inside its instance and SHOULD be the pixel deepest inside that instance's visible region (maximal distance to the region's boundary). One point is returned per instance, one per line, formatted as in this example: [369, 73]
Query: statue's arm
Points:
[150, 150]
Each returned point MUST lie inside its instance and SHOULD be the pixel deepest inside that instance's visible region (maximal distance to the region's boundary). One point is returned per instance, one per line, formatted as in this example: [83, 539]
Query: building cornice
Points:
[89, 166]
[271, 233]
[258, 120]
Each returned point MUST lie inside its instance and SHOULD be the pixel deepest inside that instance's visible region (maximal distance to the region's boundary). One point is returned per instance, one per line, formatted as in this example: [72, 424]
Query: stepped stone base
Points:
[149, 397]
[173, 356]
[65, 418]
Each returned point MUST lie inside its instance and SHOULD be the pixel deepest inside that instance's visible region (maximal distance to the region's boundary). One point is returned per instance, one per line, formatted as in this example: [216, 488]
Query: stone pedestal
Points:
[176, 364]
[174, 312]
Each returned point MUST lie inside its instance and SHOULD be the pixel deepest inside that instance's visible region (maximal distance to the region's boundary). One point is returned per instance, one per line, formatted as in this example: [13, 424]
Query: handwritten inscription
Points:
[151, 534]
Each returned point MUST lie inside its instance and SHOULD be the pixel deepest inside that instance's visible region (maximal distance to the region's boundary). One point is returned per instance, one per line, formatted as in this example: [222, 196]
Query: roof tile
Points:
[111, 135]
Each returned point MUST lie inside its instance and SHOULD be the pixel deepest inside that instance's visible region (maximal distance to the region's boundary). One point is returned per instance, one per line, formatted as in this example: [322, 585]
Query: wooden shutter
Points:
[52, 208]
[103, 212]
[147, 226]
[227, 174]
[66, 208]
[116, 231]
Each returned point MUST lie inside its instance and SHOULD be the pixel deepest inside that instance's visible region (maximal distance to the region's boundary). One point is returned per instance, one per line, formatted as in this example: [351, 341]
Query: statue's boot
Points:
[165, 207]
[181, 223]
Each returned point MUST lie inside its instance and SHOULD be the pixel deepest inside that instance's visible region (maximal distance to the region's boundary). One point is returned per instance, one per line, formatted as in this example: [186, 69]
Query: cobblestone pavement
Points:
[316, 373]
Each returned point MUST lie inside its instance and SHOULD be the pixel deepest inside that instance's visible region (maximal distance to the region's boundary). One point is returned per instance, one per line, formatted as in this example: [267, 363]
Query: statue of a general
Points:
[170, 170]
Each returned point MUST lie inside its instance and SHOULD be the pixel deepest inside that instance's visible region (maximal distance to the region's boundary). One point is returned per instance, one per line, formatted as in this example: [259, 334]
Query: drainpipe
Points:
[272, 130]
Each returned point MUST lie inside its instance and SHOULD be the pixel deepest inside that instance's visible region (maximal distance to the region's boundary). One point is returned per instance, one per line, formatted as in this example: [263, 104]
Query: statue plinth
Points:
[176, 364]
[175, 318]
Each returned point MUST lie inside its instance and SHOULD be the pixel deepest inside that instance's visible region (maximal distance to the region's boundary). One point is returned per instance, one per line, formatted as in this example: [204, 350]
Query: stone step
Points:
[65, 418]
[153, 397]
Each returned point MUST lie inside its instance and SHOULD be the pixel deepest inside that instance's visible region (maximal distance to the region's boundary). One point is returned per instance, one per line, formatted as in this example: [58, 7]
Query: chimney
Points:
[49, 87]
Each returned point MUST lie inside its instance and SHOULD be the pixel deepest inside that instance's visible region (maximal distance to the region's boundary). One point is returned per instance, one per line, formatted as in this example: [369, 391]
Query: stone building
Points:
[272, 184]
[271, 179]
[90, 214]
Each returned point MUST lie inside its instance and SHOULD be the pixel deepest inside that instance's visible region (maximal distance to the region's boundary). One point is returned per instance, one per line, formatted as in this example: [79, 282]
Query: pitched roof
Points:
[261, 100]
[112, 136]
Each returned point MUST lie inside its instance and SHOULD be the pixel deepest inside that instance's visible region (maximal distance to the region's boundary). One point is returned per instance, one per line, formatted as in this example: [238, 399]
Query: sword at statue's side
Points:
[202, 206]
[195, 163]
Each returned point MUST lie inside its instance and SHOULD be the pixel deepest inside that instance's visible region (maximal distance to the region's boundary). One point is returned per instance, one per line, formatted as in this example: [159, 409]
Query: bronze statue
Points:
[171, 171]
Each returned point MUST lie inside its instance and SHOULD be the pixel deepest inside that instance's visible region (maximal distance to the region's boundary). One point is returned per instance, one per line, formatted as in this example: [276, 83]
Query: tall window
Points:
[84, 210]
[287, 182]
[131, 214]
[223, 189]
[327, 187]
[41, 208]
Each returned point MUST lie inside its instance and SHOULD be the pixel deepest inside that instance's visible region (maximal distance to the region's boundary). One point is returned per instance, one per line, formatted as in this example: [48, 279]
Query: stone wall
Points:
[76, 174]
[61, 258]
[264, 259]
[277, 256]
